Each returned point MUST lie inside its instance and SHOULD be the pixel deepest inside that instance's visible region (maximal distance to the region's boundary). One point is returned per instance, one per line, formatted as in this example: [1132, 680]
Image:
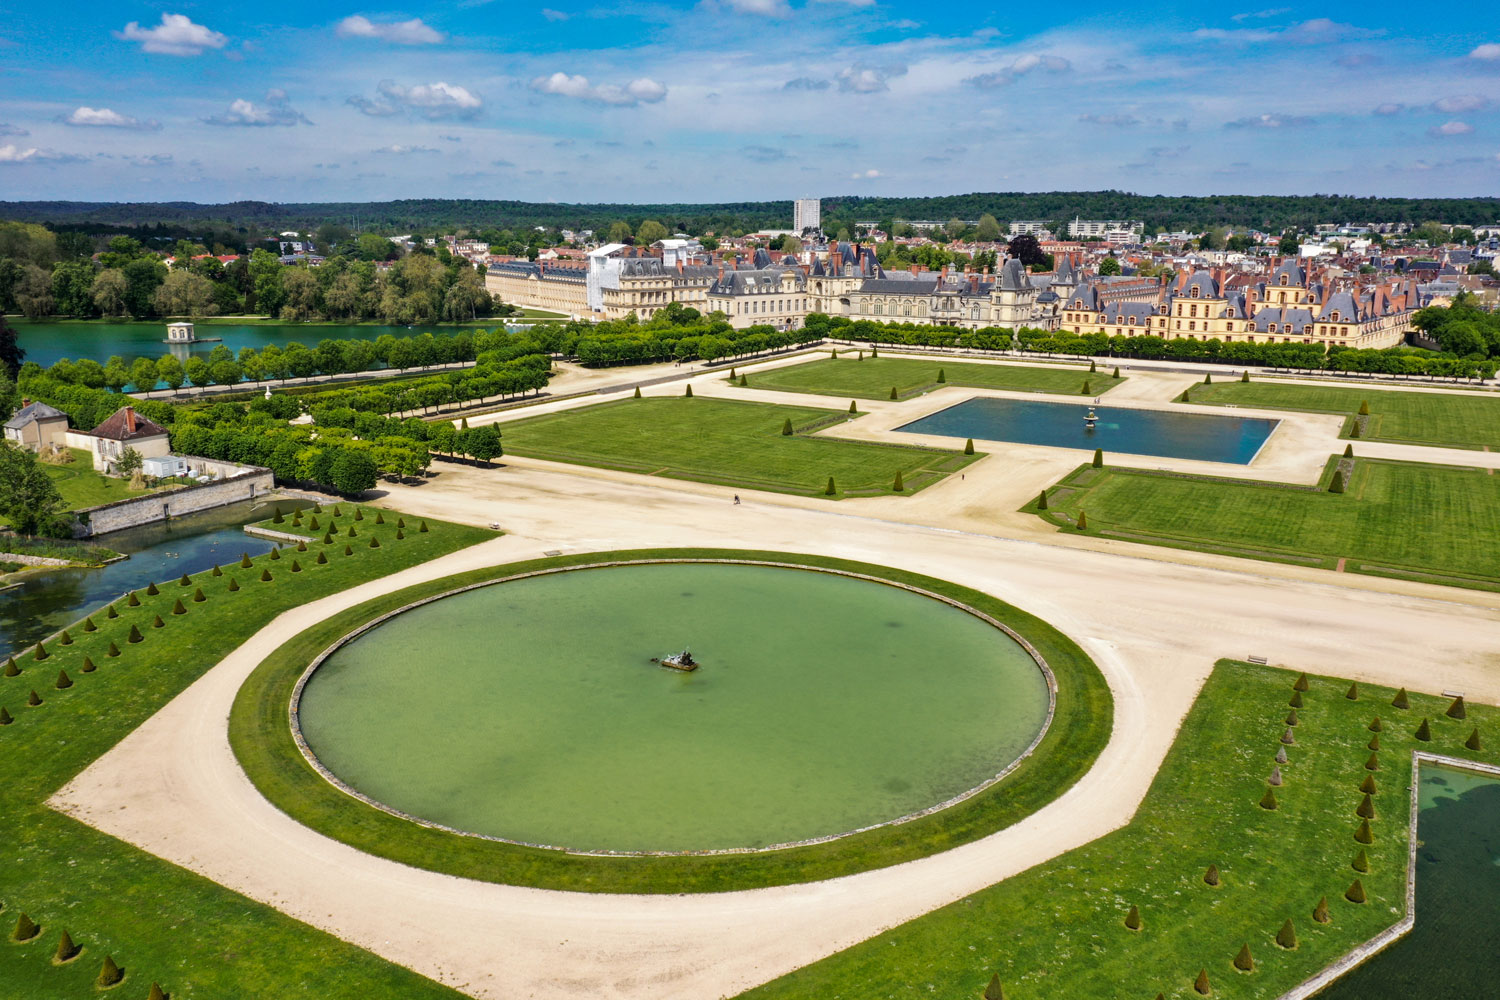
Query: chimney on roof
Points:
[130, 419]
[915, 267]
[25, 402]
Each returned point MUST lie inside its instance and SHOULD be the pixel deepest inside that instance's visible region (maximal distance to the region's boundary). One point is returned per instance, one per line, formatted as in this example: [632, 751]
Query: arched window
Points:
[1283, 279]
[1271, 328]
[1193, 291]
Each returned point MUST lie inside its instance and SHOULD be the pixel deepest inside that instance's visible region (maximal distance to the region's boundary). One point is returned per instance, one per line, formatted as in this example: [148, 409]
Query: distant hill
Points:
[1265, 212]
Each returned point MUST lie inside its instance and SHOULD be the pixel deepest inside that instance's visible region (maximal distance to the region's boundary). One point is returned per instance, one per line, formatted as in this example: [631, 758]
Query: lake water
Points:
[1451, 952]
[531, 710]
[1201, 437]
[48, 601]
[46, 343]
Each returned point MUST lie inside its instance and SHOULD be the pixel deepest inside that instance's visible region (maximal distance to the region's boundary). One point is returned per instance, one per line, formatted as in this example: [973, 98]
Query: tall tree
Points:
[11, 351]
[29, 499]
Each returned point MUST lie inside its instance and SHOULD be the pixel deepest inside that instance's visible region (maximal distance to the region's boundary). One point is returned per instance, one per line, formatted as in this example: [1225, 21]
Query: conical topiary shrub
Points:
[66, 949]
[1268, 800]
[156, 992]
[400, 534]
[1375, 725]
[113, 650]
[1348, 451]
[33, 699]
[1354, 429]
[1373, 763]
[893, 392]
[1116, 372]
[1366, 807]
[1082, 524]
[994, 991]
[1320, 912]
[379, 517]
[1368, 785]
[278, 519]
[689, 393]
[178, 608]
[301, 546]
[969, 446]
[374, 542]
[1353, 693]
[1364, 407]
[265, 576]
[216, 571]
[359, 513]
[198, 596]
[1200, 985]
[637, 392]
[400, 522]
[1275, 780]
[276, 552]
[156, 622]
[422, 527]
[328, 537]
[110, 974]
[941, 376]
[1287, 936]
[1424, 732]
[65, 639]
[40, 653]
[132, 601]
[1211, 877]
[151, 590]
[353, 533]
[1356, 892]
[852, 407]
[1401, 700]
[1133, 918]
[233, 584]
[1041, 500]
[184, 581]
[1291, 718]
[11, 670]
[1296, 699]
[322, 559]
[1474, 742]
[1364, 835]
[26, 929]
[112, 613]
[313, 524]
[786, 427]
[296, 566]
[1361, 862]
[1208, 378]
[1243, 961]
[744, 384]
[1088, 388]
[135, 635]
[63, 680]
[898, 486]
[1098, 462]
[1093, 365]
[1453, 711]
[1301, 684]
[1288, 737]
[339, 513]
[348, 550]
[5, 718]
[244, 560]
[1281, 755]
[1336, 484]
[88, 665]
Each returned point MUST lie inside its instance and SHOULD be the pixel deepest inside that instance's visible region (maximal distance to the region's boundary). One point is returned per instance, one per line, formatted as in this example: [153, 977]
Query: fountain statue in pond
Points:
[678, 661]
[1090, 419]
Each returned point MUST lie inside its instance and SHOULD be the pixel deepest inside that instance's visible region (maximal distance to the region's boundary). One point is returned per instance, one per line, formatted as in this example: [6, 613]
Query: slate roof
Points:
[913, 285]
[32, 412]
[1013, 276]
[127, 425]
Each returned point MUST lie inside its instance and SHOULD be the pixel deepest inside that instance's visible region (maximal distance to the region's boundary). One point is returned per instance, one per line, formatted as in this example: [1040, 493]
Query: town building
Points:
[37, 426]
[807, 214]
[1108, 230]
[126, 429]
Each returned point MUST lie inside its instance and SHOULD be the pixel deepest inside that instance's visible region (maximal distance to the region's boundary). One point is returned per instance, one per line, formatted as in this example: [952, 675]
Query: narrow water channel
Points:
[47, 601]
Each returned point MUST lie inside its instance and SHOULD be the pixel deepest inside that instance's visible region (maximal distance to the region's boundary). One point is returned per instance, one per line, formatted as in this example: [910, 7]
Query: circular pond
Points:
[531, 710]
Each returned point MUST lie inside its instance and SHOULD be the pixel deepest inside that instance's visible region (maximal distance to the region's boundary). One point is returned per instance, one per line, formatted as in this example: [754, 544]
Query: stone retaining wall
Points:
[250, 482]
[25, 560]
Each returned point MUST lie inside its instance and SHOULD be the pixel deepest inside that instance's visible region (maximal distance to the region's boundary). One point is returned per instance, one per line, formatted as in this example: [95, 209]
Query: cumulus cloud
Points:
[1489, 52]
[861, 79]
[1023, 65]
[177, 35]
[277, 110]
[1450, 128]
[1269, 121]
[1389, 108]
[864, 175]
[108, 118]
[8, 129]
[397, 149]
[13, 154]
[1460, 103]
[806, 83]
[413, 32]
[429, 100]
[641, 91]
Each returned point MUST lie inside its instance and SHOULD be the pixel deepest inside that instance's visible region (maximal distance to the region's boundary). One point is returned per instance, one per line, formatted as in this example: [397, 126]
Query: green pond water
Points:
[531, 710]
[1453, 951]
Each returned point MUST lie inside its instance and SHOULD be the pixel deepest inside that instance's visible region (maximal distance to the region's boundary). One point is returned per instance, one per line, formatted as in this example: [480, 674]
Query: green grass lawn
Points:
[1447, 419]
[1059, 930]
[728, 443]
[81, 486]
[158, 921]
[873, 378]
[1407, 519]
[262, 741]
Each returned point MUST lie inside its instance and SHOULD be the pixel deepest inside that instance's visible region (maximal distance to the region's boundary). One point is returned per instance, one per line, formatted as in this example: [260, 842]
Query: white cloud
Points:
[276, 111]
[860, 79]
[1489, 51]
[1460, 103]
[400, 150]
[108, 118]
[1450, 128]
[149, 160]
[430, 100]
[8, 129]
[1260, 15]
[641, 91]
[1317, 31]
[553, 15]
[1269, 121]
[177, 35]
[1023, 65]
[1389, 108]
[864, 175]
[413, 32]
[11, 153]
[775, 8]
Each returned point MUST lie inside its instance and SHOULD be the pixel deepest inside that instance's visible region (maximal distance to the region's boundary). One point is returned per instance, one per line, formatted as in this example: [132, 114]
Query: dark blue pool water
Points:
[1203, 437]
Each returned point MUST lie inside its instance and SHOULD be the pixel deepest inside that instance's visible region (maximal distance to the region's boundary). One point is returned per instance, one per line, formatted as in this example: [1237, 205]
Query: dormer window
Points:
[1283, 279]
[1335, 316]
[1193, 291]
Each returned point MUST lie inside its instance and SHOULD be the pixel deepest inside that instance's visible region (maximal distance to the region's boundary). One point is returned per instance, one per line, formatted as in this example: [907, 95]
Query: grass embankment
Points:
[1059, 930]
[157, 920]
[873, 378]
[728, 443]
[1445, 419]
[1431, 523]
[262, 741]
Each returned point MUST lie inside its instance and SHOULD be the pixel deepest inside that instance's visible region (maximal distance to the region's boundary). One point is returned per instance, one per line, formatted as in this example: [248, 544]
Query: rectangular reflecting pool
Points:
[1199, 436]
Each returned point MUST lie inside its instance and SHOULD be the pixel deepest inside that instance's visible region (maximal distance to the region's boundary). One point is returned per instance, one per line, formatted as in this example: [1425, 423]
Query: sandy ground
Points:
[1154, 623]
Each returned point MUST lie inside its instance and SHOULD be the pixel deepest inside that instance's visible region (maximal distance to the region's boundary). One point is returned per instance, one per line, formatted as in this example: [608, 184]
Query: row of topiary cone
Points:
[68, 951]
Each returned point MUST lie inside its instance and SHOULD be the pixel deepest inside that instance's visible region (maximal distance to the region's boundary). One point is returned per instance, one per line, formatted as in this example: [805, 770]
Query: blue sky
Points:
[724, 100]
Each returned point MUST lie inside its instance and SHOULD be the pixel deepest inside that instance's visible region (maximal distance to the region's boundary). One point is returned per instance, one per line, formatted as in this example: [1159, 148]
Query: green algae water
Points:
[1451, 951]
[531, 710]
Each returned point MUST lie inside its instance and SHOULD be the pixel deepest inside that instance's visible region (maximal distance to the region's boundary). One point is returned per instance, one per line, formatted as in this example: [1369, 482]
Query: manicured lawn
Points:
[1426, 522]
[1448, 419]
[262, 741]
[729, 443]
[159, 921]
[873, 378]
[1058, 930]
[81, 486]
